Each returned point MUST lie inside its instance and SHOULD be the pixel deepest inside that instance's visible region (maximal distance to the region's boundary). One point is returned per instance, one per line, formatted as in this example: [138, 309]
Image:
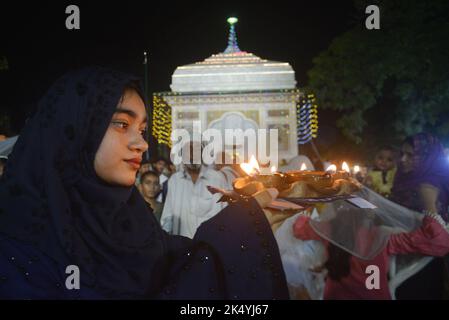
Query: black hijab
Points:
[51, 197]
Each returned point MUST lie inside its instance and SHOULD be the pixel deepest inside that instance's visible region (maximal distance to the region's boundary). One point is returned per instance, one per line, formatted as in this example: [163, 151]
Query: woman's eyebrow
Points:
[130, 113]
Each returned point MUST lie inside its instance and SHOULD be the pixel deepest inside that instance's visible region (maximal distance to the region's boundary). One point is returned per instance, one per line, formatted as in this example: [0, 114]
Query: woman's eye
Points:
[143, 132]
[120, 124]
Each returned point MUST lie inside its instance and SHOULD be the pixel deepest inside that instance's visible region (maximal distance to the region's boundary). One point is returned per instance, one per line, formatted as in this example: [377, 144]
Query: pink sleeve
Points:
[430, 239]
[302, 229]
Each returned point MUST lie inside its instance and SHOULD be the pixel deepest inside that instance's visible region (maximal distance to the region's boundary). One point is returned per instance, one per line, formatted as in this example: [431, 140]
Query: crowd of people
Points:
[75, 192]
[415, 176]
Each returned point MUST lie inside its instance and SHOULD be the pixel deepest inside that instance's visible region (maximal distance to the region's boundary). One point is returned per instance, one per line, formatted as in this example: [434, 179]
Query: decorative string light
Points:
[307, 118]
[161, 120]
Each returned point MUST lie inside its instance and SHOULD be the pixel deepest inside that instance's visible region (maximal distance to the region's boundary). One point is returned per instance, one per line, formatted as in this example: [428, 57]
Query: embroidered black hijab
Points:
[51, 197]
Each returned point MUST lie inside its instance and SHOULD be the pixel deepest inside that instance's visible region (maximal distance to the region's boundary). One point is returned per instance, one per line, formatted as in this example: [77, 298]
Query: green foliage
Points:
[404, 64]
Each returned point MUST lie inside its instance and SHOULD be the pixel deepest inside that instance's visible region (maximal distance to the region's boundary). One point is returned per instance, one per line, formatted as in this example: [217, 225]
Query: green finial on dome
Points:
[232, 20]
[232, 40]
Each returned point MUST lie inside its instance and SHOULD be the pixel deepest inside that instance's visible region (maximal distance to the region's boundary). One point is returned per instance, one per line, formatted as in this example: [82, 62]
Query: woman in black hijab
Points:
[67, 198]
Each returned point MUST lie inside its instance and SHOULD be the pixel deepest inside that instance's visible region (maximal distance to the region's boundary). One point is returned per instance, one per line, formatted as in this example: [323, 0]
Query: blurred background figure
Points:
[422, 184]
[6, 145]
[150, 188]
[358, 238]
[381, 177]
[189, 203]
[3, 160]
[422, 180]
[229, 167]
[296, 163]
[145, 166]
[168, 171]
[160, 166]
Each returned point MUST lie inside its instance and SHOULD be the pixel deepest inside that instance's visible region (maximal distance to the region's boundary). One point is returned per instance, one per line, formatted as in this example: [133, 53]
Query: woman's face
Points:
[407, 153]
[120, 153]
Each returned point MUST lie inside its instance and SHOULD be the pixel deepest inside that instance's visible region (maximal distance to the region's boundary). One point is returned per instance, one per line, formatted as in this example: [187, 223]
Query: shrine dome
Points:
[233, 70]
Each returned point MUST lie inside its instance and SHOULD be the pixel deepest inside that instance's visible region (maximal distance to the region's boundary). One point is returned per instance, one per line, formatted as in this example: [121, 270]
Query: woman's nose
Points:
[139, 143]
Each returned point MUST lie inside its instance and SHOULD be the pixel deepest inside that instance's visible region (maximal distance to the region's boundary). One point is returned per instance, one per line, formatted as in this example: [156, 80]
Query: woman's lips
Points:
[135, 164]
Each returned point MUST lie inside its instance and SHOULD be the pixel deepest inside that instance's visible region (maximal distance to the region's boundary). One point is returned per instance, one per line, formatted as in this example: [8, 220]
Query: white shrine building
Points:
[230, 90]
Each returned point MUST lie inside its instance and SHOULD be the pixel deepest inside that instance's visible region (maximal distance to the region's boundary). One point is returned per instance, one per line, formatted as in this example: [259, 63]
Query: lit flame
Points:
[250, 168]
[303, 167]
[332, 168]
[356, 169]
[247, 168]
[273, 169]
[253, 162]
[345, 167]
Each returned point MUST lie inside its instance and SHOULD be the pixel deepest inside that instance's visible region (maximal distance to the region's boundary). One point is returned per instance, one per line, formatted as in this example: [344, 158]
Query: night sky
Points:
[39, 48]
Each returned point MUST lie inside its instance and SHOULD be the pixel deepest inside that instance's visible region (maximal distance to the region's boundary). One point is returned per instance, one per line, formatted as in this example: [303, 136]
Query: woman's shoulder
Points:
[27, 273]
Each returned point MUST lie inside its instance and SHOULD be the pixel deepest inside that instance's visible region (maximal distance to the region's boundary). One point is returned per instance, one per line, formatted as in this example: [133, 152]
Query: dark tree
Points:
[391, 82]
